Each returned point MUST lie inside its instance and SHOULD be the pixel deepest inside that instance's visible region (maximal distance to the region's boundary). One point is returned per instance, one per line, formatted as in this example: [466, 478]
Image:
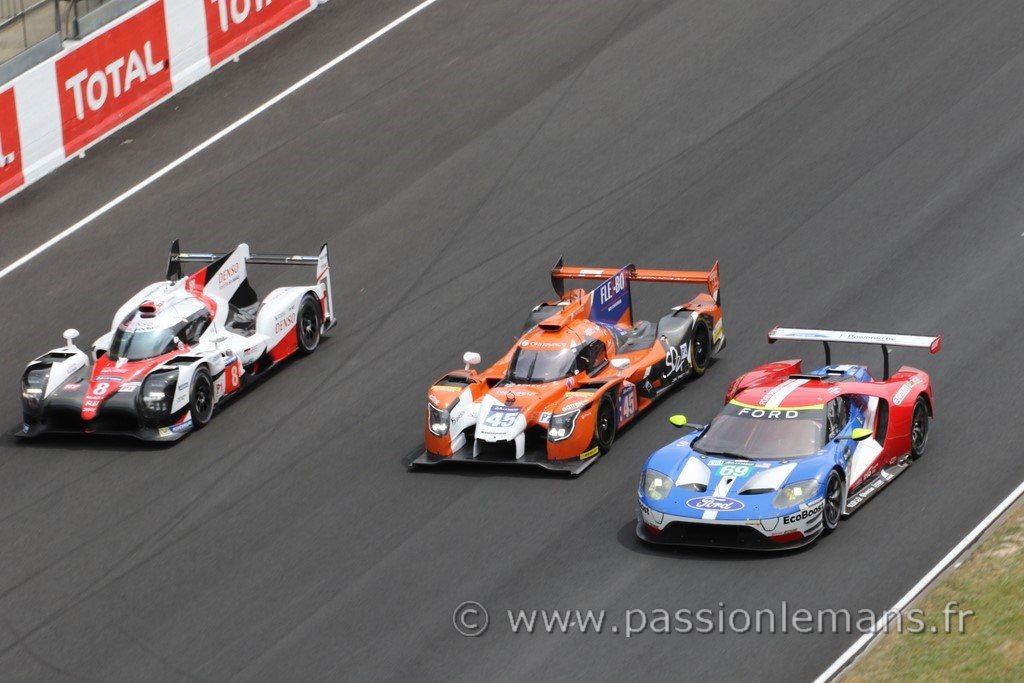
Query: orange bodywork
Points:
[631, 363]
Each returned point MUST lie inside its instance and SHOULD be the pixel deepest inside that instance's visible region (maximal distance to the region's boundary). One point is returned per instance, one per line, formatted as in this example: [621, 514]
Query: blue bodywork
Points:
[754, 510]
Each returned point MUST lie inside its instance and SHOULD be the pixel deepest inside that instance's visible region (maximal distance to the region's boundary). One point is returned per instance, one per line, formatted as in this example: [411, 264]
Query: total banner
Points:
[57, 109]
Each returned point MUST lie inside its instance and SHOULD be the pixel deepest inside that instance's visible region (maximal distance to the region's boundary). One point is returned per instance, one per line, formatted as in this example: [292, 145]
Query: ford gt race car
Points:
[177, 349]
[791, 452]
[582, 370]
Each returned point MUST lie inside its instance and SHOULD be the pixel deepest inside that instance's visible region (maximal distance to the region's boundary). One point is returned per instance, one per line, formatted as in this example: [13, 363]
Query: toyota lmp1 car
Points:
[790, 453]
[177, 349]
[581, 370]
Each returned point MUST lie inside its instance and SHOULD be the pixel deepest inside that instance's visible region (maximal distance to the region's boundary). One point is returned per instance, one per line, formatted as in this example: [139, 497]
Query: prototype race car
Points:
[791, 452]
[581, 370]
[177, 349]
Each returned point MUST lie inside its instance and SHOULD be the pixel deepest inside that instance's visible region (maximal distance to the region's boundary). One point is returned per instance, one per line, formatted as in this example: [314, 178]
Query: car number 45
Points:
[501, 420]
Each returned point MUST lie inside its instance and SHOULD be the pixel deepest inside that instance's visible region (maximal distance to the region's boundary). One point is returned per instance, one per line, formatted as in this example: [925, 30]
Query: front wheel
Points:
[833, 509]
[919, 429]
[200, 401]
[604, 429]
[309, 325]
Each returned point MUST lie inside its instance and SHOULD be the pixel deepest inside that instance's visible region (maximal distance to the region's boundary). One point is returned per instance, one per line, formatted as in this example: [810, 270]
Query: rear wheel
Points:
[604, 429]
[200, 402]
[309, 325]
[919, 429]
[700, 348]
[833, 509]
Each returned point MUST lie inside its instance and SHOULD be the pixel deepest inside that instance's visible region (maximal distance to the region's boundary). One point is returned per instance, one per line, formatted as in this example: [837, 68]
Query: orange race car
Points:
[581, 370]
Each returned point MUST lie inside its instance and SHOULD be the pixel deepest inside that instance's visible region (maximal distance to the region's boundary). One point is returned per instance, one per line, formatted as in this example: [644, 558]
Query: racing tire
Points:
[700, 348]
[308, 326]
[832, 507]
[200, 398]
[604, 424]
[919, 429]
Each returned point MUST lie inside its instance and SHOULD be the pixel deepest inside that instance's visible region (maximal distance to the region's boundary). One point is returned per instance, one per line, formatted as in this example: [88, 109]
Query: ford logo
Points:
[715, 504]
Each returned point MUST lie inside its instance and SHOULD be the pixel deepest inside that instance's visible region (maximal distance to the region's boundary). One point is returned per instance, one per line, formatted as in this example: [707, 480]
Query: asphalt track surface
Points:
[852, 165]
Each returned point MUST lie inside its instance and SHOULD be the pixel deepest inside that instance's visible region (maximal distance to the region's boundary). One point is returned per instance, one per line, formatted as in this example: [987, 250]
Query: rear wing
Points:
[933, 344]
[560, 273]
[321, 261]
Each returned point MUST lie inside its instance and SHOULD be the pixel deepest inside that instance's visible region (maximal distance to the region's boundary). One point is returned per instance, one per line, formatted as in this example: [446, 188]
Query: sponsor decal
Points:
[675, 362]
[182, 426]
[129, 387]
[544, 344]
[611, 303]
[164, 432]
[907, 387]
[25, 427]
[627, 402]
[108, 378]
[501, 417]
[285, 323]
[229, 274]
[766, 414]
[72, 386]
[807, 513]
[112, 77]
[438, 387]
[714, 503]
[545, 418]
[589, 454]
[11, 173]
[233, 24]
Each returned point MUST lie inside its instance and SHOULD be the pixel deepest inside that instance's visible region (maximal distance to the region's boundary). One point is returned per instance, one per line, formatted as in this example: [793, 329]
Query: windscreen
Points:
[136, 339]
[533, 367]
[760, 433]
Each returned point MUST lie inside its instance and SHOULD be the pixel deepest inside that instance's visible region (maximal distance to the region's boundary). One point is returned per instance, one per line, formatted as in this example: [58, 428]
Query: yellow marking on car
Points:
[734, 402]
[589, 454]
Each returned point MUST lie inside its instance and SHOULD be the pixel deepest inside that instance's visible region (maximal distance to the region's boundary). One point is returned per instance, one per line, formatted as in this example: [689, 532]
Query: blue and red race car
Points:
[791, 452]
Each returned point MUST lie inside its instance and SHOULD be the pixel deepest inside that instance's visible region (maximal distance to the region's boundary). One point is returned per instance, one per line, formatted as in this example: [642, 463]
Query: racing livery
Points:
[177, 349]
[791, 452]
[581, 370]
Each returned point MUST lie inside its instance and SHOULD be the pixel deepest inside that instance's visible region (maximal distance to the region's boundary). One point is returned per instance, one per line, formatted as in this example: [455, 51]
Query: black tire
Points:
[919, 429]
[700, 348]
[832, 508]
[308, 325]
[604, 424]
[200, 398]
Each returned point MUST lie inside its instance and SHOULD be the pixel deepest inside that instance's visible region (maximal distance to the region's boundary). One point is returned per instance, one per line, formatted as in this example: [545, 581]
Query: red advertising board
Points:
[11, 175]
[113, 76]
[233, 24]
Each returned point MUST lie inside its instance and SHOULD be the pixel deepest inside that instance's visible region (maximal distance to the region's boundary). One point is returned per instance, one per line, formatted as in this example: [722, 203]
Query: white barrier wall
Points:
[62, 106]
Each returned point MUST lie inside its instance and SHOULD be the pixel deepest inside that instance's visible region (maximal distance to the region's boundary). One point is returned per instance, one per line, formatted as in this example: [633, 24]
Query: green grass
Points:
[991, 583]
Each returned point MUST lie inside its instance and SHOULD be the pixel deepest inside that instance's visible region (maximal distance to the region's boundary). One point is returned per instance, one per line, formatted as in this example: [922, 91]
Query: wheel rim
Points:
[833, 502]
[605, 426]
[700, 346]
[307, 328]
[919, 431]
[203, 399]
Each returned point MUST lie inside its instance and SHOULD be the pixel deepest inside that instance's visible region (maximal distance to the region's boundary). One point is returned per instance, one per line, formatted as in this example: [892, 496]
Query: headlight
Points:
[438, 421]
[795, 493]
[561, 425]
[656, 485]
[158, 393]
[33, 385]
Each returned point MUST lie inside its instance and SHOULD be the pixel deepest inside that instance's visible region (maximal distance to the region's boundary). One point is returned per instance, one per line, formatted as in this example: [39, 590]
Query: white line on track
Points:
[970, 538]
[7, 270]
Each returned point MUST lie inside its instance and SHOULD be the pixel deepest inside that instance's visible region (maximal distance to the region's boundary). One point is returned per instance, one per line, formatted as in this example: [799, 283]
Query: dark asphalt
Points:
[852, 164]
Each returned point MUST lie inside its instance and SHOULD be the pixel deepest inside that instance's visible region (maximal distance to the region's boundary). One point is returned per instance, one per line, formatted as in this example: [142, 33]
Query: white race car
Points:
[177, 349]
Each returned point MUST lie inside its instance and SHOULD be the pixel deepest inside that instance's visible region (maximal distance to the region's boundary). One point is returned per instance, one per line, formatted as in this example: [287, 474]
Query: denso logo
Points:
[228, 273]
[113, 76]
[284, 323]
[714, 503]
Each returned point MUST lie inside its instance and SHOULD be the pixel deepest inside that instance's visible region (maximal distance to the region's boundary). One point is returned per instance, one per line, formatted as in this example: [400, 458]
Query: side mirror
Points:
[70, 335]
[860, 434]
[678, 420]
[470, 358]
[621, 364]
